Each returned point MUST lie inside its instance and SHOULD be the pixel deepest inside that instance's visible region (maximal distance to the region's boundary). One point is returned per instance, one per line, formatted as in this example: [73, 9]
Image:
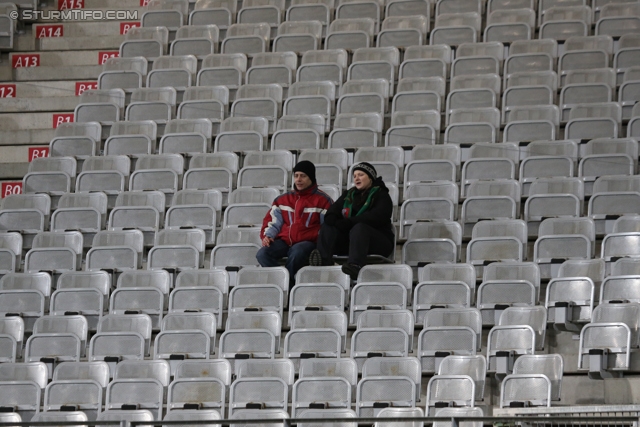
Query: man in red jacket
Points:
[290, 228]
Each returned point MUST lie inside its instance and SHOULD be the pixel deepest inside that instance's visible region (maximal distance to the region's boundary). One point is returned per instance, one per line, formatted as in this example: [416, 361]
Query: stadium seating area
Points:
[506, 130]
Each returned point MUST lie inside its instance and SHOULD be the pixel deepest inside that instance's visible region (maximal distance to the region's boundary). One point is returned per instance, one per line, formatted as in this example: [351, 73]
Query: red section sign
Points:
[103, 56]
[143, 3]
[25, 60]
[62, 118]
[70, 4]
[47, 31]
[126, 26]
[10, 187]
[8, 90]
[82, 86]
[38, 152]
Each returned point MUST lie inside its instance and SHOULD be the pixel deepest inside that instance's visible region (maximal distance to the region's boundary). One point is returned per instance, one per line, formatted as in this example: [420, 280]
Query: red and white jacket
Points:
[296, 216]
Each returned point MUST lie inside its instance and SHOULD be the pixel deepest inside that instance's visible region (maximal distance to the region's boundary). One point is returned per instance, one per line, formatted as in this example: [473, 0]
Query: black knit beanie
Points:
[366, 168]
[307, 168]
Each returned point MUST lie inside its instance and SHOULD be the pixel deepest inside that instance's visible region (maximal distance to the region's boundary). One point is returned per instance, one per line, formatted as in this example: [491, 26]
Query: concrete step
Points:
[29, 128]
[103, 35]
[69, 65]
[44, 96]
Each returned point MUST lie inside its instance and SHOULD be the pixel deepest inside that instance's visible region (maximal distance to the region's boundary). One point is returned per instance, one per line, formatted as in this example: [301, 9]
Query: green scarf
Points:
[348, 202]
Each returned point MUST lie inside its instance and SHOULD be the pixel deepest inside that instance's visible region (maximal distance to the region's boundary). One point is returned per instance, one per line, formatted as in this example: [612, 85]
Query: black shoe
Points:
[315, 259]
[351, 269]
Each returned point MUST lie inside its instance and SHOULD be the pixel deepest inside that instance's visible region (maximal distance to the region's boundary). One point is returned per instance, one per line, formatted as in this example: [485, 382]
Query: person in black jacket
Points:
[357, 224]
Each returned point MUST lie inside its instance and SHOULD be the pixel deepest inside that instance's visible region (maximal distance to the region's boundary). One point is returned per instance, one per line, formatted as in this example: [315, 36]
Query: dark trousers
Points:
[362, 240]
[297, 255]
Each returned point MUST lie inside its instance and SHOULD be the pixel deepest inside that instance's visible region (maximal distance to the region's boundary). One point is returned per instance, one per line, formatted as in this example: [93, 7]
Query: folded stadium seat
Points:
[252, 334]
[445, 237]
[70, 390]
[563, 238]
[274, 276]
[11, 337]
[299, 132]
[298, 36]
[22, 385]
[376, 295]
[404, 31]
[474, 366]
[266, 368]
[252, 414]
[375, 63]
[159, 172]
[126, 415]
[616, 20]
[249, 38]
[520, 331]
[157, 104]
[226, 69]
[450, 390]
[323, 65]
[253, 195]
[461, 272]
[140, 393]
[187, 137]
[626, 224]
[331, 165]
[334, 392]
[441, 324]
[120, 337]
[626, 94]
[147, 42]
[472, 92]
[456, 28]
[529, 89]
[306, 10]
[497, 295]
[350, 33]
[115, 251]
[212, 170]
[196, 40]
[563, 22]
[187, 415]
[351, 9]
[324, 296]
[142, 210]
[471, 127]
[570, 301]
[255, 11]
[310, 98]
[426, 61]
[315, 335]
[534, 167]
[177, 250]
[542, 373]
[178, 72]
[130, 138]
[8, 28]
[507, 26]
[273, 67]
[50, 175]
[83, 212]
[344, 368]
[166, 13]
[375, 393]
[416, 94]
[200, 290]
[27, 214]
[368, 342]
[553, 197]
[600, 157]
[258, 100]
[85, 293]
[26, 294]
[205, 102]
[57, 339]
[10, 252]
[364, 96]
[185, 336]
[403, 319]
[625, 55]
[126, 73]
[611, 324]
[242, 134]
[221, 13]
[105, 106]
[585, 52]
[219, 369]
[78, 140]
[446, 156]
[411, 128]
[355, 130]
[497, 240]
[259, 394]
[497, 199]
[54, 252]
[478, 58]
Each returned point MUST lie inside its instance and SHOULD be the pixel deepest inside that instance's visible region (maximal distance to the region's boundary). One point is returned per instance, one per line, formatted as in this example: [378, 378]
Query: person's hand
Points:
[266, 241]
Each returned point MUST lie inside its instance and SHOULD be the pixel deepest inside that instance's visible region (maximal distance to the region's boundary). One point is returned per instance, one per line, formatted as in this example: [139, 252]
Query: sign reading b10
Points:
[10, 187]
[38, 152]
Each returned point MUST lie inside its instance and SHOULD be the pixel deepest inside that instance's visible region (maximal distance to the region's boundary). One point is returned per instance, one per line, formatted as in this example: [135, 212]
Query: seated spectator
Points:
[357, 224]
[290, 228]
